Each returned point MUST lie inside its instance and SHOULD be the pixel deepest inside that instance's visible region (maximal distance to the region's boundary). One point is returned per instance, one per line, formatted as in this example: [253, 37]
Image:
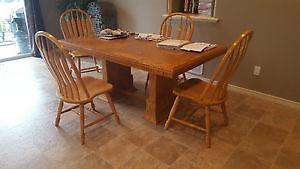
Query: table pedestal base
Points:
[160, 98]
[119, 76]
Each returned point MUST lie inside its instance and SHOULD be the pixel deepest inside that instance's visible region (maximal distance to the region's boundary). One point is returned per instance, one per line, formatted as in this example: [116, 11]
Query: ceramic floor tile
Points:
[91, 161]
[50, 136]
[296, 130]
[235, 98]
[238, 127]
[143, 160]
[200, 156]
[292, 141]
[39, 162]
[117, 152]
[244, 160]
[281, 117]
[125, 127]
[62, 155]
[248, 111]
[287, 159]
[264, 133]
[142, 136]
[184, 137]
[184, 162]
[19, 153]
[216, 156]
[165, 150]
[97, 136]
[258, 102]
[264, 142]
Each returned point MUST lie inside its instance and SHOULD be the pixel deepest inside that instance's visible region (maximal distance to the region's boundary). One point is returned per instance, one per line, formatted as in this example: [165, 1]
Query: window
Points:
[200, 10]
[14, 38]
[200, 7]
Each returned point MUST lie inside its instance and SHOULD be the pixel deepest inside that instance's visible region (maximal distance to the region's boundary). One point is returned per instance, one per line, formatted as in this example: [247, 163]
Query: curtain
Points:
[34, 22]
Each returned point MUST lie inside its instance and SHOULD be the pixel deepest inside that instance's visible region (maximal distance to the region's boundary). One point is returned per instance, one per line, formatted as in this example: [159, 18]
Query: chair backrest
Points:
[61, 66]
[185, 28]
[217, 86]
[76, 23]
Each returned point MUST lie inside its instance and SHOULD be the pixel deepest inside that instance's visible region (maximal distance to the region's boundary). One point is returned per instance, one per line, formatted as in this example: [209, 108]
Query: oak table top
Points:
[143, 55]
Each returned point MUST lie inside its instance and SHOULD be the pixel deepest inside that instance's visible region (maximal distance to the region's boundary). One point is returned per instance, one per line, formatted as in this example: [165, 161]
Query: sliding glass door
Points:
[14, 42]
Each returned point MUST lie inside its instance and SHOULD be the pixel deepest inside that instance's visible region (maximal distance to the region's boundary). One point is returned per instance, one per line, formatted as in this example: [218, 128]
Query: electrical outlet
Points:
[256, 70]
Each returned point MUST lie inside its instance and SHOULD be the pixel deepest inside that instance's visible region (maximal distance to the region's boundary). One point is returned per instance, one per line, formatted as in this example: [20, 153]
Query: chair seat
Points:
[94, 87]
[192, 89]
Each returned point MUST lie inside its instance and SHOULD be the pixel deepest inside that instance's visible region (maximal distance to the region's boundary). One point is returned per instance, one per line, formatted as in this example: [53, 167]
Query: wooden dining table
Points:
[163, 65]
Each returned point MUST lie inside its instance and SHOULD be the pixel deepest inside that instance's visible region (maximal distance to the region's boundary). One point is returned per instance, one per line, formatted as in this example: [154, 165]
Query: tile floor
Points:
[260, 134]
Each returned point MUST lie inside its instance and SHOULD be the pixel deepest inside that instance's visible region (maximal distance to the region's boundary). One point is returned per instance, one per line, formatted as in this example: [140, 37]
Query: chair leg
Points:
[147, 82]
[184, 77]
[207, 126]
[93, 105]
[223, 107]
[59, 109]
[112, 106]
[96, 65]
[79, 64]
[82, 136]
[172, 112]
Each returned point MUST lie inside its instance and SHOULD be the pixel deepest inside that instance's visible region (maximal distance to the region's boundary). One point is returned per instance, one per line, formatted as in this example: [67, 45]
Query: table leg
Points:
[119, 76]
[160, 98]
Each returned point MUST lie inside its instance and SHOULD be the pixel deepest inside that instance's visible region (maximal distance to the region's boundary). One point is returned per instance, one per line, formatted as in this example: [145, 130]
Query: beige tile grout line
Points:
[280, 148]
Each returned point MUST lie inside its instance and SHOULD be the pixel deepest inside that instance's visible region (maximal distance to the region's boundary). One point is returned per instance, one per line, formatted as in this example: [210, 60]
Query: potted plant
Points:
[71, 4]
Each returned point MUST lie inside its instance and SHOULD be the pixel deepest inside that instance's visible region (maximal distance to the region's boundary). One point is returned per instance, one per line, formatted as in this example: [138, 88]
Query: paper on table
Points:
[172, 43]
[155, 37]
[142, 36]
[197, 47]
[149, 36]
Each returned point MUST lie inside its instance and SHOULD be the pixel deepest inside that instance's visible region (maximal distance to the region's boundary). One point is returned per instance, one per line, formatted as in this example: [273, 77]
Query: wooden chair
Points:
[214, 92]
[72, 88]
[76, 23]
[184, 30]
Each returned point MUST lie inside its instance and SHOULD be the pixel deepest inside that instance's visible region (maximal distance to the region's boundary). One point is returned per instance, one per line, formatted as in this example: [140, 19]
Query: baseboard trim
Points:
[275, 99]
[269, 97]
